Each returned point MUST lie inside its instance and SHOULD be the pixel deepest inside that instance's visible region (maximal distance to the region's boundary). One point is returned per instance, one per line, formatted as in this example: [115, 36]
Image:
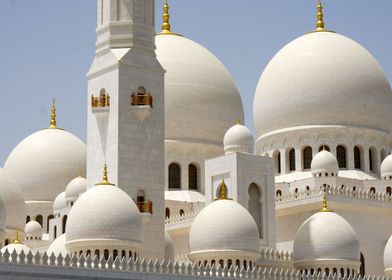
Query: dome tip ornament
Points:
[16, 240]
[320, 25]
[166, 27]
[105, 178]
[223, 193]
[53, 122]
[325, 206]
[238, 121]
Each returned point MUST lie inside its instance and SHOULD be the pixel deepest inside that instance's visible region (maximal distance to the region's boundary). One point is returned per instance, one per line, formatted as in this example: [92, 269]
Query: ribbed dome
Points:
[322, 78]
[45, 162]
[59, 202]
[238, 139]
[223, 225]
[15, 208]
[104, 213]
[324, 163]
[33, 229]
[386, 168]
[58, 247]
[201, 98]
[325, 237]
[75, 188]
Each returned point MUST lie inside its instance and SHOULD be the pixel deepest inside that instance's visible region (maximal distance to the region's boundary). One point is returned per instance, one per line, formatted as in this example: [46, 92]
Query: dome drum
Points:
[227, 256]
[338, 266]
[92, 245]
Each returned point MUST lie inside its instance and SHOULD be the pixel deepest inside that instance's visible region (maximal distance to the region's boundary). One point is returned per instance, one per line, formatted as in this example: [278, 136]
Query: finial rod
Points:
[53, 123]
[166, 18]
[325, 206]
[222, 191]
[320, 17]
[105, 178]
[238, 120]
[16, 240]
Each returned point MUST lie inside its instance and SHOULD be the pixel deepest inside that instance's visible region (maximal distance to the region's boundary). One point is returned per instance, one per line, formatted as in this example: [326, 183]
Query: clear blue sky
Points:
[47, 47]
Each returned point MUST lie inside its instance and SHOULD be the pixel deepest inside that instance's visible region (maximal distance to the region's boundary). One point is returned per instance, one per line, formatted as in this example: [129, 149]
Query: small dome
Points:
[33, 229]
[75, 188]
[59, 203]
[324, 164]
[12, 198]
[102, 214]
[44, 163]
[223, 225]
[327, 240]
[238, 139]
[169, 247]
[386, 168]
[201, 98]
[58, 247]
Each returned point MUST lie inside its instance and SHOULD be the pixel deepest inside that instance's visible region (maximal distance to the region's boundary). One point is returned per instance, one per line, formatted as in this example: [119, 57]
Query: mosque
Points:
[169, 173]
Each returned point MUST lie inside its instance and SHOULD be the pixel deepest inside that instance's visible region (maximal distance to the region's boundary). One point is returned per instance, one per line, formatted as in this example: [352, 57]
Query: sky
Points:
[46, 48]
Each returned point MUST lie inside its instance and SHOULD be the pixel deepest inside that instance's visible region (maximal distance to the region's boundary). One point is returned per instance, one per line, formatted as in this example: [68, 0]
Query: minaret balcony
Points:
[141, 105]
[100, 103]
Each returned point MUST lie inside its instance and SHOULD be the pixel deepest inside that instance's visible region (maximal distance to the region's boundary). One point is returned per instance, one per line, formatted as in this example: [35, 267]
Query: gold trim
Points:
[325, 206]
[105, 179]
[53, 123]
[16, 240]
[320, 25]
[238, 120]
[223, 193]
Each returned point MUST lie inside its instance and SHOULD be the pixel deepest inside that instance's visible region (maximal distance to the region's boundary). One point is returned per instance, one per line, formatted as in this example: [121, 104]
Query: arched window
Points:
[276, 156]
[39, 219]
[55, 232]
[64, 223]
[167, 212]
[237, 263]
[174, 176]
[97, 254]
[372, 190]
[341, 156]
[245, 265]
[229, 264]
[307, 156]
[88, 253]
[47, 223]
[106, 254]
[292, 160]
[388, 190]
[182, 213]
[278, 193]
[123, 254]
[372, 159]
[221, 263]
[115, 254]
[28, 219]
[362, 267]
[357, 158]
[324, 147]
[255, 206]
[192, 177]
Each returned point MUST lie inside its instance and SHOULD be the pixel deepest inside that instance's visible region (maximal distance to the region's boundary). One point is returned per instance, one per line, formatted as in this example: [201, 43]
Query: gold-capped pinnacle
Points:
[238, 120]
[105, 179]
[223, 191]
[166, 21]
[53, 123]
[16, 240]
[320, 25]
[325, 206]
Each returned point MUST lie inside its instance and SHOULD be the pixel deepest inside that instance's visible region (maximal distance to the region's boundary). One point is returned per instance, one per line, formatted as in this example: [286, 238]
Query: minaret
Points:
[126, 111]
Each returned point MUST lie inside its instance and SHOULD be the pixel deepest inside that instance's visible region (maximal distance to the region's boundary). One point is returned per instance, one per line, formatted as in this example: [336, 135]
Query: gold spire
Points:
[320, 17]
[16, 240]
[166, 21]
[222, 191]
[105, 179]
[325, 207]
[238, 120]
[53, 123]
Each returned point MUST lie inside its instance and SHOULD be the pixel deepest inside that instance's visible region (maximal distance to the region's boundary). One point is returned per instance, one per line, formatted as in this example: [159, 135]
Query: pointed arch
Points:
[192, 177]
[255, 206]
[341, 156]
[307, 156]
[291, 154]
[174, 176]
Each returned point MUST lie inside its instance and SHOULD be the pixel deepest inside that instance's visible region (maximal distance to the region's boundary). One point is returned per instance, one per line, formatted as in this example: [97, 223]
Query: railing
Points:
[335, 191]
[179, 219]
[100, 101]
[144, 207]
[276, 255]
[141, 99]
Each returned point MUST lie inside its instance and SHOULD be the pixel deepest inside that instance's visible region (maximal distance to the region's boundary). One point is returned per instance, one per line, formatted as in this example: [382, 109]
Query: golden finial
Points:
[320, 17]
[325, 207]
[53, 123]
[222, 191]
[105, 179]
[238, 120]
[16, 240]
[166, 21]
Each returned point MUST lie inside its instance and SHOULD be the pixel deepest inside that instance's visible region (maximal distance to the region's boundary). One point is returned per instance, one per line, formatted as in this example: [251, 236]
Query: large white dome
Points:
[223, 225]
[104, 212]
[12, 198]
[75, 188]
[201, 98]
[322, 78]
[326, 239]
[45, 162]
